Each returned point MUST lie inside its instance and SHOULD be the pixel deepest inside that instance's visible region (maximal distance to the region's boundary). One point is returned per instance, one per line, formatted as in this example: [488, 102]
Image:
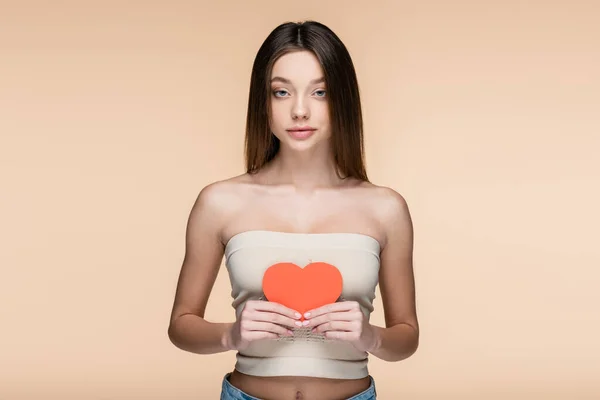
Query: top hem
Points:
[302, 366]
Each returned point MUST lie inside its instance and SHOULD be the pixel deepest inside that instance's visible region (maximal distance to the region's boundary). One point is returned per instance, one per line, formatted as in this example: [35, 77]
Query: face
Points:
[298, 96]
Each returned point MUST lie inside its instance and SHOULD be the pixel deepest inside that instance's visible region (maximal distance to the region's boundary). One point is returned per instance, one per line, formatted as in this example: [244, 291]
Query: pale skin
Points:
[298, 191]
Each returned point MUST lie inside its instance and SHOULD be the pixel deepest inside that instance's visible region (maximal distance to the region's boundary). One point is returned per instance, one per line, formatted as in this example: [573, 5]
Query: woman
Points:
[304, 198]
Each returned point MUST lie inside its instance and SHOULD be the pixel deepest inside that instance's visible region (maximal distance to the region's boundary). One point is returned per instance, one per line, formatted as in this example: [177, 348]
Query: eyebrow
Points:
[284, 80]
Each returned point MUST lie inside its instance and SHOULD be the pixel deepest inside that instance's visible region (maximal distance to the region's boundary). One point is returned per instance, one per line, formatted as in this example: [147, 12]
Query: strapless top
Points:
[356, 256]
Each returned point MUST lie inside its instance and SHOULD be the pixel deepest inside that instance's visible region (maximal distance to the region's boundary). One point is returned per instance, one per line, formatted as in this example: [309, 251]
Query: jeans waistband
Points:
[230, 392]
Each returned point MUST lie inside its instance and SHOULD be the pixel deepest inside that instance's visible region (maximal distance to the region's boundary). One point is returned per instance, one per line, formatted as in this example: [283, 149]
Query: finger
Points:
[257, 326]
[268, 316]
[337, 326]
[333, 307]
[258, 335]
[276, 308]
[335, 316]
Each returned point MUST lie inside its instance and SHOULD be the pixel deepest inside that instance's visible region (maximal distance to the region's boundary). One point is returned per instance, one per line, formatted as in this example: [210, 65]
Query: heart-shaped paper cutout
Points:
[302, 289]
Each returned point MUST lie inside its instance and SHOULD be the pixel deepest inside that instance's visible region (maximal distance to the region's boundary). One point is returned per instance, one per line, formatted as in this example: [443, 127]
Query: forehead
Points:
[298, 66]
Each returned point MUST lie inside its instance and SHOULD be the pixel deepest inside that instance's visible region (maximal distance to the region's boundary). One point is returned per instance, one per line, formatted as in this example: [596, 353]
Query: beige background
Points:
[483, 114]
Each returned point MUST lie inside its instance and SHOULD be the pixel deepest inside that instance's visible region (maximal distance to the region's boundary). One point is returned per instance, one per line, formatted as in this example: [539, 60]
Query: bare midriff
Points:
[298, 388]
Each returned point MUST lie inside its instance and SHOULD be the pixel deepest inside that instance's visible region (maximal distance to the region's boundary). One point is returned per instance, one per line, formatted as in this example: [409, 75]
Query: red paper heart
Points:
[302, 289]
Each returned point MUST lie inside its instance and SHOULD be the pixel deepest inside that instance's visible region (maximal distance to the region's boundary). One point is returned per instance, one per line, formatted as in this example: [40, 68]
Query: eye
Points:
[320, 93]
[280, 93]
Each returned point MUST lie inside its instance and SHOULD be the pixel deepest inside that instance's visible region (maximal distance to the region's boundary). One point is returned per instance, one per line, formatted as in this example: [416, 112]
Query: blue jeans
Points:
[230, 392]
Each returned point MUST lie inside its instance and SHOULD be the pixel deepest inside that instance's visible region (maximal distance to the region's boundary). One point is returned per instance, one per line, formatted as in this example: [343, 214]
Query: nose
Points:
[300, 110]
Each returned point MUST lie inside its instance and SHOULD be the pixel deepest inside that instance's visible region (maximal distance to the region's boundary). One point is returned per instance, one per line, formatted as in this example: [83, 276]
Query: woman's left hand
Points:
[343, 321]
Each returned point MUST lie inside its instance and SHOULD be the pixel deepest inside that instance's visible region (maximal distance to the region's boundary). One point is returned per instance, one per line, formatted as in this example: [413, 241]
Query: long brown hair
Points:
[342, 92]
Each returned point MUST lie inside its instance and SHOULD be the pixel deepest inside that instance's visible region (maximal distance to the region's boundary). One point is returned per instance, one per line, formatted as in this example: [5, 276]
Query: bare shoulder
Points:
[217, 195]
[219, 201]
[385, 200]
[390, 208]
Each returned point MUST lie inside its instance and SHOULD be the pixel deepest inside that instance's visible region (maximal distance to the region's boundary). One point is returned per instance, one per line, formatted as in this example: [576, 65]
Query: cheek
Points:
[323, 112]
[277, 114]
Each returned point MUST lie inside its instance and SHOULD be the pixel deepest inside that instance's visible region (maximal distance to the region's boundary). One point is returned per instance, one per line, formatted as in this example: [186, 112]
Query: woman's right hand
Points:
[261, 320]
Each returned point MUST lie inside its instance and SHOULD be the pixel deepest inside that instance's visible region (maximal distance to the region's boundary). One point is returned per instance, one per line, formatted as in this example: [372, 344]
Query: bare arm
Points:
[188, 330]
[400, 338]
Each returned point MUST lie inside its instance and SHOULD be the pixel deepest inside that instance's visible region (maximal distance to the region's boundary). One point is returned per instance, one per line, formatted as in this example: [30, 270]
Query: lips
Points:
[302, 132]
[302, 129]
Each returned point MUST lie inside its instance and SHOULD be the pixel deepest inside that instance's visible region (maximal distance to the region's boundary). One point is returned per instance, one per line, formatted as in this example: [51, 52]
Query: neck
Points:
[304, 170]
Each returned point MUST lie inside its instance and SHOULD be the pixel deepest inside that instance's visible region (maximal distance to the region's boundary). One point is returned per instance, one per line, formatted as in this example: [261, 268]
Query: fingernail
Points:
[290, 332]
[298, 323]
[305, 322]
[306, 315]
[298, 315]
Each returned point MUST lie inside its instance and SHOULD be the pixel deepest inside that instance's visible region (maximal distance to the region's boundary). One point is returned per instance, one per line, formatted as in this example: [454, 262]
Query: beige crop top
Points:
[249, 254]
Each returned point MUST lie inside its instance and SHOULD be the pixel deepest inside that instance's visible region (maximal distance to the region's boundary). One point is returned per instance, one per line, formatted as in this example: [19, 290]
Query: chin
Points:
[304, 144]
[299, 145]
